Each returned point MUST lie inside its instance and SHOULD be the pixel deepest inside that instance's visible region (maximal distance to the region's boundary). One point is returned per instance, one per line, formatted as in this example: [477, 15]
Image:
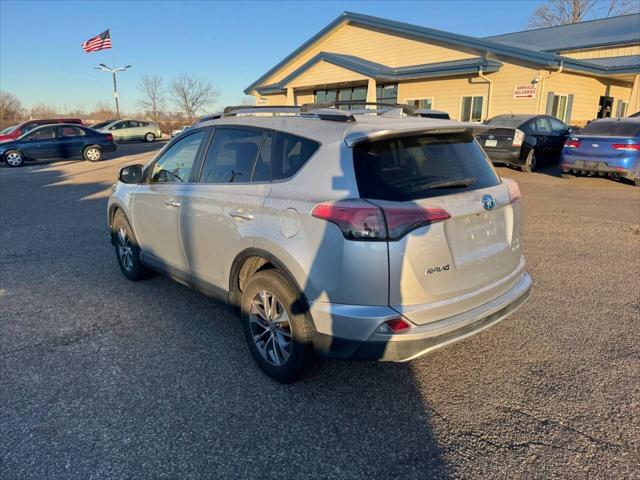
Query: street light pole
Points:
[113, 72]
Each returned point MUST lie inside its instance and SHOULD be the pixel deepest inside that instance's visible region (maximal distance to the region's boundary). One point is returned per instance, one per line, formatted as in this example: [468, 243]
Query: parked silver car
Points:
[380, 236]
[126, 130]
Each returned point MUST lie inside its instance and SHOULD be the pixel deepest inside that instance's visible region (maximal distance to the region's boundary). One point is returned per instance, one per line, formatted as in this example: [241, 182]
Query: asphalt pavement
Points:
[104, 378]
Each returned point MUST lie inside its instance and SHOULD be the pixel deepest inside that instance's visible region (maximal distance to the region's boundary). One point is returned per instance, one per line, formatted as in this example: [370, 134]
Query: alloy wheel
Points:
[125, 250]
[14, 159]
[270, 328]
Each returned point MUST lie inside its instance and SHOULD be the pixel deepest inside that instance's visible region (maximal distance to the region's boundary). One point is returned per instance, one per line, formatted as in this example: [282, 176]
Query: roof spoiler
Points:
[354, 138]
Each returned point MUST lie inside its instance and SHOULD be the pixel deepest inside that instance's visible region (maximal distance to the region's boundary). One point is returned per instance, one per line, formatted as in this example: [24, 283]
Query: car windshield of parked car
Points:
[101, 125]
[8, 130]
[423, 166]
[612, 129]
[505, 122]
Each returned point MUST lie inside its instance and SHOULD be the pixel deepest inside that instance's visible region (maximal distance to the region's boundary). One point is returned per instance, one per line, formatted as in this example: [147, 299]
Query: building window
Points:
[423, 103]
[387, 93]
[341, 94]
[621, 110]
[471, 109]
[559, 107]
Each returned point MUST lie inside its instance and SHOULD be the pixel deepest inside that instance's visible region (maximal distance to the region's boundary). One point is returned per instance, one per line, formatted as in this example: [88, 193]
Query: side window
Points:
[70, 132]
[231, 156]
[45, 133]
[116, 126]
[290, 154]
[542, 126]
[557, 126]
[176, 163]
[143, 124]
[262, 170]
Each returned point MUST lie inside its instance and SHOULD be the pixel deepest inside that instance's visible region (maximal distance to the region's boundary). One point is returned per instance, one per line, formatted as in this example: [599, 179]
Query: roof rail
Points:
[406, 109]
[319, 112]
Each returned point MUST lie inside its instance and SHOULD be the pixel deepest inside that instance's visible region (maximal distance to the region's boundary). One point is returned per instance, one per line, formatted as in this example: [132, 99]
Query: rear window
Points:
[424, 166]
[506, 122]
[612, 129]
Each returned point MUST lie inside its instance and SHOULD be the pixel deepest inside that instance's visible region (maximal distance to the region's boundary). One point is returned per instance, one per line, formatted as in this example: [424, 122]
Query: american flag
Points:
[99, 42]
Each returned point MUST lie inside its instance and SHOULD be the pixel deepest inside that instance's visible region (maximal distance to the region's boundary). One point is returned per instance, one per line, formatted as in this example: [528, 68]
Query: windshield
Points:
[423, 166]
[8, 130]
[507, 122]
[612, 129]
[101, 125]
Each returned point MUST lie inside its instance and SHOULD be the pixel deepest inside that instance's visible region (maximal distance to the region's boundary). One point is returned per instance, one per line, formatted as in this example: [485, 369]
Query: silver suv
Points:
[369, 234]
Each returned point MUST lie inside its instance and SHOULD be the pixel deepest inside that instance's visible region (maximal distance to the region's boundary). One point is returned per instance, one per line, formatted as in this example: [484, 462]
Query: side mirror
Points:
[132, 174]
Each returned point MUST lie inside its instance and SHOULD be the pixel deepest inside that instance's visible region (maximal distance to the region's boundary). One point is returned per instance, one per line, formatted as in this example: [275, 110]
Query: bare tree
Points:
[10, 107]
[42, 110]
[153, 100]
[102, 111]
[563, 12]
[192, 94]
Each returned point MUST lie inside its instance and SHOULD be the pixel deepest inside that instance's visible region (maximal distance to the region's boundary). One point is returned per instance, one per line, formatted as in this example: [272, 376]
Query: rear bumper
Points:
[630, 170]
[511, 157]
[424, 338]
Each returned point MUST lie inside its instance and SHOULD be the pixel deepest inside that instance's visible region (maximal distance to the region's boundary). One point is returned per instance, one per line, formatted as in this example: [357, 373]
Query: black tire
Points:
[130, 264]
[294, 325]
[92, 153]
[530, 163]
[14, 158]
[149, 137]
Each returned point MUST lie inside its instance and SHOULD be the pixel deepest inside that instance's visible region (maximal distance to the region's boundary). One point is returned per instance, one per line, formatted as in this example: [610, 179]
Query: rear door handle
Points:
[172, 203]
[241, 215]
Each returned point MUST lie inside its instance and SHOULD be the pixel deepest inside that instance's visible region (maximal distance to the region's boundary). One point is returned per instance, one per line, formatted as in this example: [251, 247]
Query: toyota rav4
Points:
[364, 234]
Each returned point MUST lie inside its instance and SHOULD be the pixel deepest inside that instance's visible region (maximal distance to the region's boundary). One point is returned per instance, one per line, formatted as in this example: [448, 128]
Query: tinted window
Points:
[176, 163]
[557, 126]
[44, 133]
[231, 156]
[416, 167]
[507, 122]
[541, 125]
[262, 170]
[70, 132]
[612, 129]
[290, 154]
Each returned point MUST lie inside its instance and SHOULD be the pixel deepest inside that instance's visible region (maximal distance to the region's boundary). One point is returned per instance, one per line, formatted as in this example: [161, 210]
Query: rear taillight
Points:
[109, 137]
[361, 220]
[514, 191]
[518, 138]
[630, 147]
[572, 143]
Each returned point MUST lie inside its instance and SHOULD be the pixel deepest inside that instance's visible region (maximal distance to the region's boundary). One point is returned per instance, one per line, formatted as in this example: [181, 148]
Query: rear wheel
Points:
[279, 339]
[92, 154]
[149, 137]
[530, 164]
[127, 250]
[14, 158]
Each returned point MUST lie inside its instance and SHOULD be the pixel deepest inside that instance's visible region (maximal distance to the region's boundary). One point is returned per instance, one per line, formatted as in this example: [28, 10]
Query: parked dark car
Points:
[25, 127]
[524, 141]
[607, 146]
[57, 141]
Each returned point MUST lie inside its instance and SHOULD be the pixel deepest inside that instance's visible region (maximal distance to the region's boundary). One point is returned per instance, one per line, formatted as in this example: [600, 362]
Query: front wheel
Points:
[149, 137]
[277, 333]
[92, 154]
[530, 164]
[14, 158]
[127, 249]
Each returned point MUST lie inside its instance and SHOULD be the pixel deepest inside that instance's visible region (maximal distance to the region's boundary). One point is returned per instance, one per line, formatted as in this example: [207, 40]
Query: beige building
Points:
[576, 72]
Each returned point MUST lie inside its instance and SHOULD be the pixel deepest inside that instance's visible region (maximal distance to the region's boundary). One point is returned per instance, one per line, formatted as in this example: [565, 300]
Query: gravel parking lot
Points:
[104, 378]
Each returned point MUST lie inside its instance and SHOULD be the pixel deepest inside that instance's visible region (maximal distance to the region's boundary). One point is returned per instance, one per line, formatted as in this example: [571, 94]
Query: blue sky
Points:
[229, 43]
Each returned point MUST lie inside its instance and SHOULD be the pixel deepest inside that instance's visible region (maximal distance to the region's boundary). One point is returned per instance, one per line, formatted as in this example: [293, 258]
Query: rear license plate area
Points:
[491, 143]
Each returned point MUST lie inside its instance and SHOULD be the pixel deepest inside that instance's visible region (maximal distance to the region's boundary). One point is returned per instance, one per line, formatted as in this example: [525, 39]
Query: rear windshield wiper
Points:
[459, 183]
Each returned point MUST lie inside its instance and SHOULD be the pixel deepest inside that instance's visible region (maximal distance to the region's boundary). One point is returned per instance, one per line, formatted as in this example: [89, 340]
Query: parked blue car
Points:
[606, 147]
[57, 141]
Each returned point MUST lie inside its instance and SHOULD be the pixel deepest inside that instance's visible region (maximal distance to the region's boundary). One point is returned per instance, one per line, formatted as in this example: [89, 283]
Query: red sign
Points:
[524, 91]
